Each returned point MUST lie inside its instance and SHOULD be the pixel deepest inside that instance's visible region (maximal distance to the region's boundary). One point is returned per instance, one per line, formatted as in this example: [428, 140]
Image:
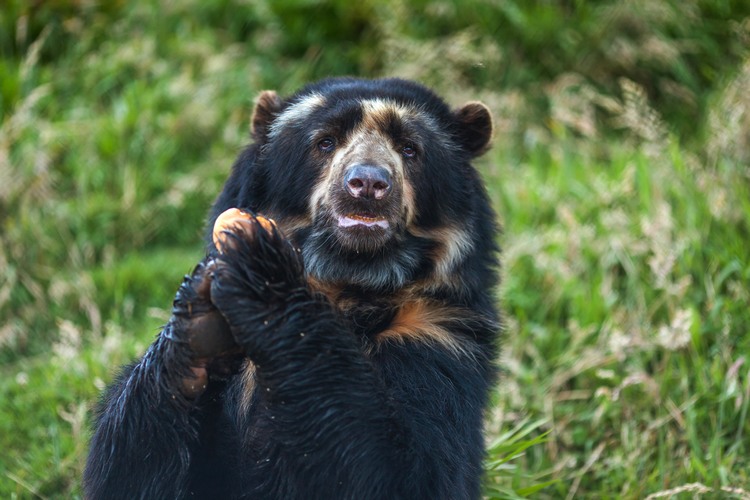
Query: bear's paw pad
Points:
[241, 223]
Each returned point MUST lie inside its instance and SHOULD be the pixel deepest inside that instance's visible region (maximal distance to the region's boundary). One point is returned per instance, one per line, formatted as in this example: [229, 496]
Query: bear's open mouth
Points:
[366, 220]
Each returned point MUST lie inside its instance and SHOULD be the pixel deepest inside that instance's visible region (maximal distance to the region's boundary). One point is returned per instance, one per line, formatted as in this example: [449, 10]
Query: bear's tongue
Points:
[351, 220]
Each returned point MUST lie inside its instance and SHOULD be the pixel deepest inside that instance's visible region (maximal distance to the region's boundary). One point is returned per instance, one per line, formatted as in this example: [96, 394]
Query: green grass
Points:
[628, 326]
[626, 225]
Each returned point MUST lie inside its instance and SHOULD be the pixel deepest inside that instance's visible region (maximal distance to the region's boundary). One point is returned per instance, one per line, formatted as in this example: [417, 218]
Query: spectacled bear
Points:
[343, 350]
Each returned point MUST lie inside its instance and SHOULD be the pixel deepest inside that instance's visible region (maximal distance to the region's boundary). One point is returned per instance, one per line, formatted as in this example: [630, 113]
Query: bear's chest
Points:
[366, 317]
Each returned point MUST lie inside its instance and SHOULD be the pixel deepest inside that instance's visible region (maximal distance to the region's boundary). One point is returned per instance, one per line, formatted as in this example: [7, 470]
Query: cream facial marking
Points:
[367, 146]
[296, 112]
[370, 143]
[363, 145]
[458, 244]
[321, 194]
[454, 245]
[376, 110]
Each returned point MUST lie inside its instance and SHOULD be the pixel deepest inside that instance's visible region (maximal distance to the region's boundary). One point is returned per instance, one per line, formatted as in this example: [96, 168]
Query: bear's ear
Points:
[474, 127]
[267, 107]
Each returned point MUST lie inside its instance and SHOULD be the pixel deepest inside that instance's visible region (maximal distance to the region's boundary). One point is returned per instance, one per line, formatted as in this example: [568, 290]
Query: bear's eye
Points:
[409, 151]
[326, 145]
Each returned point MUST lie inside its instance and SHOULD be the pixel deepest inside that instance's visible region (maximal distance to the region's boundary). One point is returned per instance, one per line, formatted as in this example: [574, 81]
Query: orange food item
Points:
[234, 219]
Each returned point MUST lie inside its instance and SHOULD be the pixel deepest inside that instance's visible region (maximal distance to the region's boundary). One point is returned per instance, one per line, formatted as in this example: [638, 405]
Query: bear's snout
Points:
[368, 182]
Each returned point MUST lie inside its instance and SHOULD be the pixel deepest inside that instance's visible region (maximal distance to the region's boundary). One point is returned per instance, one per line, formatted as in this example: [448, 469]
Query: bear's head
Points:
[370, 179]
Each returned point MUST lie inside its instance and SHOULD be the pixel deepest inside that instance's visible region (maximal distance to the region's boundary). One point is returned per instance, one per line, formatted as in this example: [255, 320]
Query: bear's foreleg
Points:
[149, 421]
[318, 397]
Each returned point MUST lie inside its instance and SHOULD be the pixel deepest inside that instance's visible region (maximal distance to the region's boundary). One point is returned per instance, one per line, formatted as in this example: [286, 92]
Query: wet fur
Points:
[367, 373]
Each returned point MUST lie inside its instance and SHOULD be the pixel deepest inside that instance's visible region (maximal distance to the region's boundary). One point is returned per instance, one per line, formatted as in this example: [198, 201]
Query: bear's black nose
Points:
[368, 182]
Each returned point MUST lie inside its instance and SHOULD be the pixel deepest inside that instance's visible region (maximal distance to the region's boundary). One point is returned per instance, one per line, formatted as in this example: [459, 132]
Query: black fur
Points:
[343, 403]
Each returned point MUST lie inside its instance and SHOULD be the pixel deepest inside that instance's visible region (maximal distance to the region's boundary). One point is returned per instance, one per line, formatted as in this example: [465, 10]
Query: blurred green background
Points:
[620, 174]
